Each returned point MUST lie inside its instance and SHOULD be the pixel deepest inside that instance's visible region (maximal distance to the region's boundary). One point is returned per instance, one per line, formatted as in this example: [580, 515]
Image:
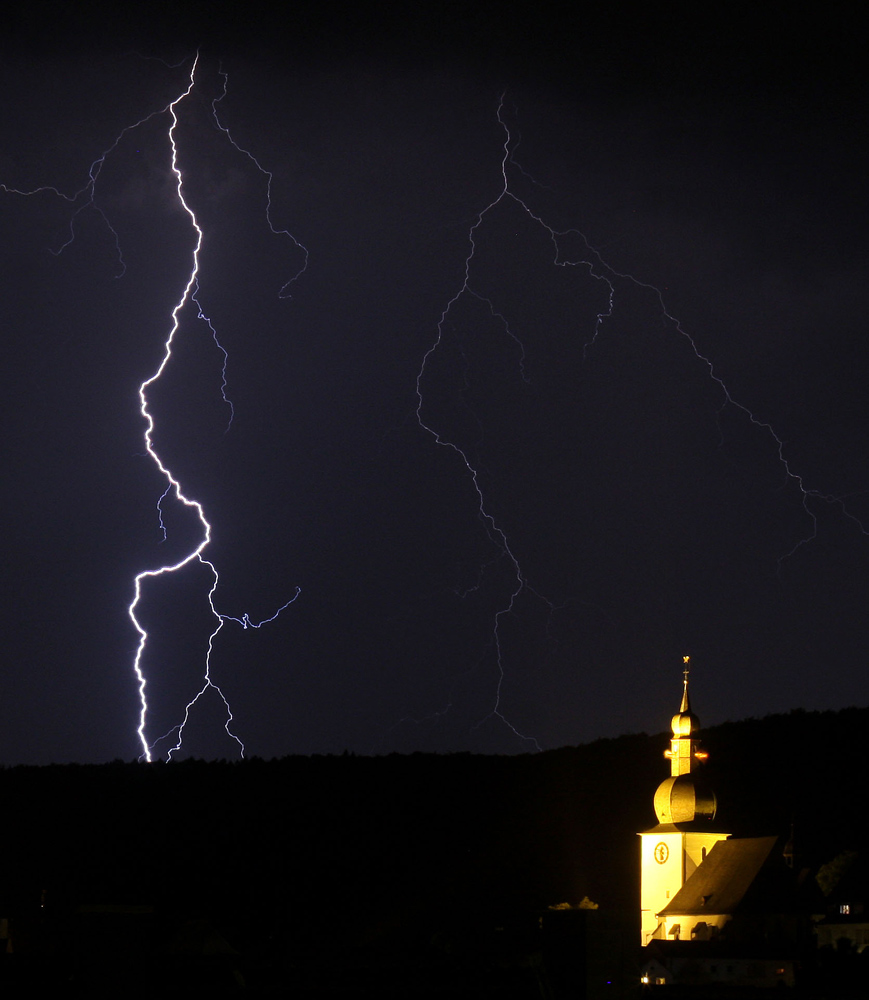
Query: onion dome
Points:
[683, 799]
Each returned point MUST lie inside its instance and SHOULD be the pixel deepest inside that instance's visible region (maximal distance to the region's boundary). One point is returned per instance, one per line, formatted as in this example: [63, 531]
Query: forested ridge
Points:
[419, 831]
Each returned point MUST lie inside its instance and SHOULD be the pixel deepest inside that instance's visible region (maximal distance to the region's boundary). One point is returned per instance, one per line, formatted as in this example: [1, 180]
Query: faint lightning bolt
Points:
[795, 478]
[83, 199]
[493, 530]
[284, 292]
[597, 267]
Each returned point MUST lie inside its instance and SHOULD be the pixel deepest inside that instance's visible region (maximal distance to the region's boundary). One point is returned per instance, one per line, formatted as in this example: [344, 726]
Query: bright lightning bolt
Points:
[83, 199]
[591, 260]
[173, 485]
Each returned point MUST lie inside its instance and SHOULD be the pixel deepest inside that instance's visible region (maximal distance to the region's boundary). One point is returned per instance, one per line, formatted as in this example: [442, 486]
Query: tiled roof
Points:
[719, 885]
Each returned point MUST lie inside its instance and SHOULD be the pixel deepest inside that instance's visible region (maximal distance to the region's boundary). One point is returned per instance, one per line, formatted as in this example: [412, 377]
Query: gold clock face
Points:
[662, 852]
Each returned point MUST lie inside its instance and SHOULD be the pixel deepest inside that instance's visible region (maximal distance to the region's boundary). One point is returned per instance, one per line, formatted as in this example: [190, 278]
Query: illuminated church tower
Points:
[678, 845]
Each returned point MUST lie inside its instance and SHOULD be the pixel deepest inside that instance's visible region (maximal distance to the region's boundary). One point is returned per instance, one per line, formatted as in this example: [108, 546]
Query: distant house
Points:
[716, 964]
[845, 925]
[847, 921]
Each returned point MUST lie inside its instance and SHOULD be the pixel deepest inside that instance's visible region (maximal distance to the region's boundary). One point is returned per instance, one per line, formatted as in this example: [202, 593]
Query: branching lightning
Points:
[83, 199]
[601, 271]
[795, 478]
[190, 306]
[174, 486]
[493, 530]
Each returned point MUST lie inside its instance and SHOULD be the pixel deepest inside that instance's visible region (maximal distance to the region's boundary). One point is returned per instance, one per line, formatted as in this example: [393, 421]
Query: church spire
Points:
[685, 707]
[681, 798]
[684, 751]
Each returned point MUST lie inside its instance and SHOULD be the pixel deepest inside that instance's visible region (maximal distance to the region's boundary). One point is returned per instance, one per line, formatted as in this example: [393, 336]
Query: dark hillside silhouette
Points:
[303, 860]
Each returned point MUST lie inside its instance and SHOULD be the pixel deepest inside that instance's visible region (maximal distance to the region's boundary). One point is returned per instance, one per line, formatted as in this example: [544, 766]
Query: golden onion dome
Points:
[684, 798]
[685, 723]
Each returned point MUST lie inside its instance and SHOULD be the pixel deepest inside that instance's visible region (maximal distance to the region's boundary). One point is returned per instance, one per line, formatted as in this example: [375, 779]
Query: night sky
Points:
[721, 163]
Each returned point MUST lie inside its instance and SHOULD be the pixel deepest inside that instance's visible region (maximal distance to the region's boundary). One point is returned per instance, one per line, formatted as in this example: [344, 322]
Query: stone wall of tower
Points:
[668, 858]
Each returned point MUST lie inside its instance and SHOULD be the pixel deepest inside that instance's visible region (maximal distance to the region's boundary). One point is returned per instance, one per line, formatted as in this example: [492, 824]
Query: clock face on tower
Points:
[662, 852]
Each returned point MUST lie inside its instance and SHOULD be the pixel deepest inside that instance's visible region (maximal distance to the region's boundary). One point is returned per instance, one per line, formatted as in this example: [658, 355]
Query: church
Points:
[714, 909]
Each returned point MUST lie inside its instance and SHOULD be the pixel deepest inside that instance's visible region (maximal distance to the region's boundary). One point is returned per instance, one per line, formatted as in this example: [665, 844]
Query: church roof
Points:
[722, 882]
